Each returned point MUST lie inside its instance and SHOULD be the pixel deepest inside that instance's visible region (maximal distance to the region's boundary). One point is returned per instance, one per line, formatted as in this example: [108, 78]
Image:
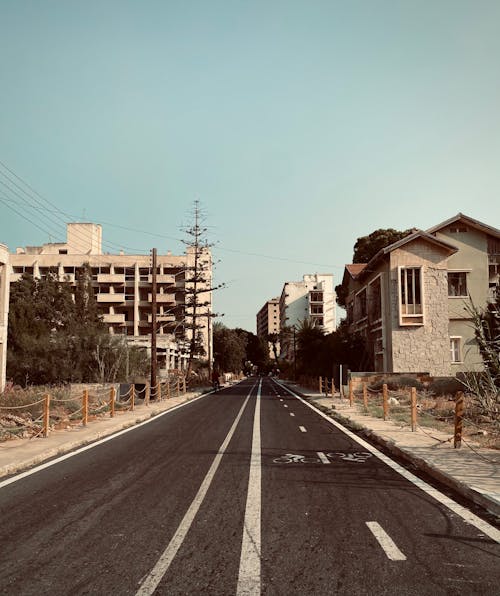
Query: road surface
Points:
[247, 491]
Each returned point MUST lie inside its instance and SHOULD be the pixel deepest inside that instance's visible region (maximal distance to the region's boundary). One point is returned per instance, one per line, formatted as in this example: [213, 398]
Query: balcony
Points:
[110, 278]
[162, 318]
[116, 318]
[110, 298]
[162, 298]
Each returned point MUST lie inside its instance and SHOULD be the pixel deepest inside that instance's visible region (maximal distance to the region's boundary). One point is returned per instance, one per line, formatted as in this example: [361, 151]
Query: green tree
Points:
[229, 349]
[365, 248]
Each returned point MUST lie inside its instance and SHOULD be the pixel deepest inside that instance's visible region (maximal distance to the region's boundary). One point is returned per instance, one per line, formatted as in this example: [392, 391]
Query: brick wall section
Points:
[425, 347]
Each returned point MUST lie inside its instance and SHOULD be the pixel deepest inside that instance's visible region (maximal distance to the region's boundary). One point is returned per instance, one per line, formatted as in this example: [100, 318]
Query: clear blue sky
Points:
[300, 125]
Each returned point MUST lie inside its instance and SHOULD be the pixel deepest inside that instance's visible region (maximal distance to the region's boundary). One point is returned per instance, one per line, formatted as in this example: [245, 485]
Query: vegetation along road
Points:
[247, 491]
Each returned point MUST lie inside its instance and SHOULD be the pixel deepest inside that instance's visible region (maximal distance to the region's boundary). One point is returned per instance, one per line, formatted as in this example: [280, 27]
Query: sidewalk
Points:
[20, 454]
[475, 474]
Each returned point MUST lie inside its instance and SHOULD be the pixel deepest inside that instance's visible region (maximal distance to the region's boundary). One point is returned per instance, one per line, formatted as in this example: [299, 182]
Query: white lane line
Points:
[156, 574]
[302, 429]
[292, 414]
[61, 458]
[386, 542]
[249, 572]
[452, 505]
[281, 400]
[323, 457]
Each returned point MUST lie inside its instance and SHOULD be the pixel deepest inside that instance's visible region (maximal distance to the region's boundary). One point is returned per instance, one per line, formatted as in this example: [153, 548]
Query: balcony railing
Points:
[110, 297]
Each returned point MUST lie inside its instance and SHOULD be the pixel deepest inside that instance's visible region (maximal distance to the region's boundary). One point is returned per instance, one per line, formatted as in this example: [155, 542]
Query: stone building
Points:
[411, 300]
[4, 311]
[122, 285]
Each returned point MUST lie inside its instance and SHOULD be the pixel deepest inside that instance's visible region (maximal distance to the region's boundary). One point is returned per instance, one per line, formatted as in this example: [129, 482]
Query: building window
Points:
[410, 296]
[457, 284]
[316, 297]
[316, 309]
[456, 349]
[375, 302]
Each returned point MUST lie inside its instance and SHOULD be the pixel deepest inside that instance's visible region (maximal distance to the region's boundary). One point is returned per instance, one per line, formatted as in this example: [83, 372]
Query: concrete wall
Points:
[4, 311]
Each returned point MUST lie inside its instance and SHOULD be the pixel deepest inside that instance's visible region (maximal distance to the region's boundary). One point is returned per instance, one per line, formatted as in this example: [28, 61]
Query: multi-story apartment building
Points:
[4, 311]
[122, 286]
[311, 299]
[412, 301]
[268, 322]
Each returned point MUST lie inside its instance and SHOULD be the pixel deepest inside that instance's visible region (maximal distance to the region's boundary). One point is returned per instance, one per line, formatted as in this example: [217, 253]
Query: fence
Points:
[44, 410]
[415, 408]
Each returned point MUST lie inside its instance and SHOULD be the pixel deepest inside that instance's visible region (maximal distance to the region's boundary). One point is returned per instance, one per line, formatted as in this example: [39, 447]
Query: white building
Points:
[4, 311]
[311, 299]
[122, 286]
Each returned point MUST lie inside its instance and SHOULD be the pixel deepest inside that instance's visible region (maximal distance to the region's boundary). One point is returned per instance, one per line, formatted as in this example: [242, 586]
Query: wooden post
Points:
[321, 384]
[112, 399]
[147, 393]
[46, 417]
[333, 387]
[365, 396]
[413, 409]
[85, 407]
[351, 393]
[459, 419]
[385, 401]
[132, 397]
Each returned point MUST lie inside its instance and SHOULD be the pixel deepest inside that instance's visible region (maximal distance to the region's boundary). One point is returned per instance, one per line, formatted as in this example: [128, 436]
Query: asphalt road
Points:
[248, 491]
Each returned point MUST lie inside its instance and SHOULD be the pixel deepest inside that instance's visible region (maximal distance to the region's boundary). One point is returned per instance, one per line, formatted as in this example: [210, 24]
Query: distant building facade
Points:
[4, 311]
[122, 285]
[411, 301]
[311, 299]
[268, 322]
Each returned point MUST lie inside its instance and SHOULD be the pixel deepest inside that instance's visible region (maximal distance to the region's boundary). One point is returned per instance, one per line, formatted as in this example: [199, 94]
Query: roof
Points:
[468, 220]
[355, 268]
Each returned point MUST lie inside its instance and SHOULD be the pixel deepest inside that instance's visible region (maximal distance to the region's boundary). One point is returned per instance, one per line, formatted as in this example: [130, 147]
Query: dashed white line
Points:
[386, 542]
[285, 406]
[292, 414]
[323, 457]
[302, 429]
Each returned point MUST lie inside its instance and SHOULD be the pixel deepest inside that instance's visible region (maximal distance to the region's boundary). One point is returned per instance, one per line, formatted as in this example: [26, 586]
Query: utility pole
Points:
[153, 324]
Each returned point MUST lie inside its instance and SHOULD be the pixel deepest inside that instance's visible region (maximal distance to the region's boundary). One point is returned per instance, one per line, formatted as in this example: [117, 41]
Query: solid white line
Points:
[302, 429]
[386, 542]
[156, 574]
[452, 505]
[323, 457]
[249, 573]
[61, 458]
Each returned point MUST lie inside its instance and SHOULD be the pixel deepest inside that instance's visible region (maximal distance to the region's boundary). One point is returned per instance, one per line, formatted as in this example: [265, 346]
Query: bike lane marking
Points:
[323, 457]
[386, 542]
[249, 576]
[155, 576]
[448, 502]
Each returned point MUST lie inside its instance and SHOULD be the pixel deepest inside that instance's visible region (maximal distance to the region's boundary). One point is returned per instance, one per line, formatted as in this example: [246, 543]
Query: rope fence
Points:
[37, 417]
[418, 409]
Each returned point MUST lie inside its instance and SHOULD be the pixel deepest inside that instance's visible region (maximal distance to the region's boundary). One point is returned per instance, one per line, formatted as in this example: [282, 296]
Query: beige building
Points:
[268, 322]
[411, 300]
[4, 311]
[122, 286]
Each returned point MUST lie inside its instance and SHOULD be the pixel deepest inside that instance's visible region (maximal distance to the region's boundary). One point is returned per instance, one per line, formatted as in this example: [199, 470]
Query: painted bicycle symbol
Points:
[323, 458]
[361, 456]
[295, 458]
